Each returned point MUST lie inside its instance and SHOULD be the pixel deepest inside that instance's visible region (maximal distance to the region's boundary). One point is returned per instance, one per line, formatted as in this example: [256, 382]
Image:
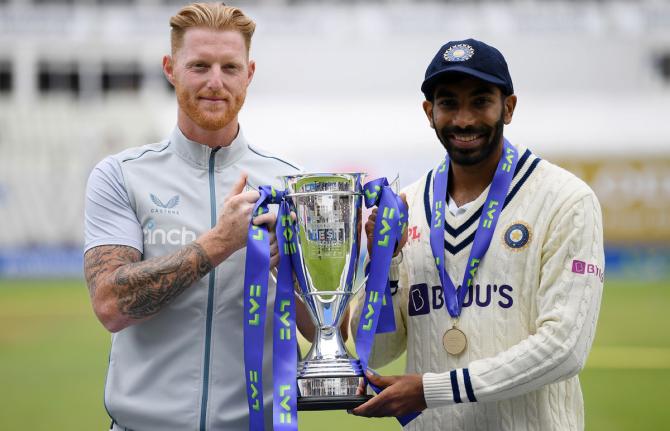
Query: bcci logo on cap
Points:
[460, 52]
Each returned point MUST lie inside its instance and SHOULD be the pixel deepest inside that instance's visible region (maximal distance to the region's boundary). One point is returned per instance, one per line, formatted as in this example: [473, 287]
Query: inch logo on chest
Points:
[424, 299]
[157, 235]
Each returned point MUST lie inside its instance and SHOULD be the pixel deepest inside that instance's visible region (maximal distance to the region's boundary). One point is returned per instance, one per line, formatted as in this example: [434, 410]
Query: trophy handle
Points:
[360, 286]
[395, 185]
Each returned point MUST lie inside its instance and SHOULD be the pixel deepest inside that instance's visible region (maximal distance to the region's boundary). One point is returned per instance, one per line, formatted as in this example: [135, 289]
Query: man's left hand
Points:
[400, 395]
[370, 228]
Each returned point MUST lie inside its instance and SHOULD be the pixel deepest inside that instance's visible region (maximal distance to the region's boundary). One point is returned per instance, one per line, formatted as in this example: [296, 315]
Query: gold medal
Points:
[454, 341]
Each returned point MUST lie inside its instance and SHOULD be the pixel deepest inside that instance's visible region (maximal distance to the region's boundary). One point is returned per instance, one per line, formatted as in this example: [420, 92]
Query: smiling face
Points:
[210, 72]
[468, 116]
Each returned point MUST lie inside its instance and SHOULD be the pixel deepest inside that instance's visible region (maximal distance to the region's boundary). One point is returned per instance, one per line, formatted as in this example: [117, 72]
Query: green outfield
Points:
[53, 356]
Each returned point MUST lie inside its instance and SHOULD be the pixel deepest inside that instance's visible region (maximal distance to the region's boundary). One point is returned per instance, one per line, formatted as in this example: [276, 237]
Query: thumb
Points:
[238, 187]
[379, 380]
[403, 196]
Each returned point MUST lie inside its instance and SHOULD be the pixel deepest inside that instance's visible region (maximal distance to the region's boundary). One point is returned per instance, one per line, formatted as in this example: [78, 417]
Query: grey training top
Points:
[183, 368]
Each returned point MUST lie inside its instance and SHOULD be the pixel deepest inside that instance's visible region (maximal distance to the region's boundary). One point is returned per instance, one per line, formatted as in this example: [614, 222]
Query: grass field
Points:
[53, 357]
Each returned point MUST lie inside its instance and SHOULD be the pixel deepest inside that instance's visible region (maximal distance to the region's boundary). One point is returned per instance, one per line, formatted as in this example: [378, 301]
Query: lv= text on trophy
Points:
[318, 234]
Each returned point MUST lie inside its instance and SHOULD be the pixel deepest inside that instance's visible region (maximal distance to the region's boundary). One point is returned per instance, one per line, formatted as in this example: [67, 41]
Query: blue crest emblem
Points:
[517, 235]
[460, 52]
[173, 202]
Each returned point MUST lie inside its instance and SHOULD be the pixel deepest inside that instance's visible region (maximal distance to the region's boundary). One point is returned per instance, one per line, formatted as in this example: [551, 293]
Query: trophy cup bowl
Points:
[328, 210]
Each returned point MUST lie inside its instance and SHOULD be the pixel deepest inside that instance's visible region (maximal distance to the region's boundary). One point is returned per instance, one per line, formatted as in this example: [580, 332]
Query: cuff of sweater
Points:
[443, 389]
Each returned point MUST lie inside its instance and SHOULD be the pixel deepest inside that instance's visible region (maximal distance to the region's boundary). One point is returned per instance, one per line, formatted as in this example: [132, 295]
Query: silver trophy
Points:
[328, 209]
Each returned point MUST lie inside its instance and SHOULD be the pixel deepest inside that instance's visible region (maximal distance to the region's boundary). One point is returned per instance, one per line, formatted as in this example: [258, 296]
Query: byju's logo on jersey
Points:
[419, 301]
[164, 208]
[423, 299]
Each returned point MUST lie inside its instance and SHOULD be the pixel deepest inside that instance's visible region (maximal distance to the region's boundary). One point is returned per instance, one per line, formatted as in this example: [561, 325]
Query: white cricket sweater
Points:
[530, 317]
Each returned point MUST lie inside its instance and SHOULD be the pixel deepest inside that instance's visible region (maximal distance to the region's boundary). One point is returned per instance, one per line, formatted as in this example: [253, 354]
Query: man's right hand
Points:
[370, 228]
[233, 223]
[231, 230]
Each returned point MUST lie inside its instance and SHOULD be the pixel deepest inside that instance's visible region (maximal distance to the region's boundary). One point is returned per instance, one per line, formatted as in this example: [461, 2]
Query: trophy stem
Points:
[327, 345]
[329, 377]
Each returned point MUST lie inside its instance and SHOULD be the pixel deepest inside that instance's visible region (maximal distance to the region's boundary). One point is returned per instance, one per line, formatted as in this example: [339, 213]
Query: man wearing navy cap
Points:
[498, 288]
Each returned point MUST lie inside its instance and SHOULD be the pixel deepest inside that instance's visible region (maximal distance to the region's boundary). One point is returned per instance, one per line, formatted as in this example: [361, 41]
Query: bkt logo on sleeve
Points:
[423, 298]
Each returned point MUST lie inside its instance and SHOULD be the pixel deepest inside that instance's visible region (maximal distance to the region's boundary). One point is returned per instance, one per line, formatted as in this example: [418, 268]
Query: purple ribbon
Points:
[387, 232]
[256, 277]
[284, 342]
[493, 206]
[377, 313]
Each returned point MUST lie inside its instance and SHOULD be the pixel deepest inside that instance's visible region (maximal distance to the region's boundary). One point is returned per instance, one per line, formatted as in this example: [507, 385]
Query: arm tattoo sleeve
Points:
[144, 288]
[101, 261]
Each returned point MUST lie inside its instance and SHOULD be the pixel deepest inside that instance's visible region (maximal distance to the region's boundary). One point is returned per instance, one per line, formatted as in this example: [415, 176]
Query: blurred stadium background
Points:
[336, 88]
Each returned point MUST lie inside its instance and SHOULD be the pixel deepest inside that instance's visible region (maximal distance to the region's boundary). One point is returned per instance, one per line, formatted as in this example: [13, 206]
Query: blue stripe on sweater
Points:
[468, 386]
[454, 387]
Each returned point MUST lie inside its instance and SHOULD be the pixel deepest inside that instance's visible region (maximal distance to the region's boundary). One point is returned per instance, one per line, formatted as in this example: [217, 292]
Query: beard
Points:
[472, 156]
[209, 119]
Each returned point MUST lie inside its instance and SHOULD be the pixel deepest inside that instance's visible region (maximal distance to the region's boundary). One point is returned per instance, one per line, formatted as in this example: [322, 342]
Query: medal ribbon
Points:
[487, 223]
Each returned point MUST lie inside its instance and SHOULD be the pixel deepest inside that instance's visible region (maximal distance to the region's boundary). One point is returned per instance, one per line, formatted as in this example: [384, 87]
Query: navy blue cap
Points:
[469, 57]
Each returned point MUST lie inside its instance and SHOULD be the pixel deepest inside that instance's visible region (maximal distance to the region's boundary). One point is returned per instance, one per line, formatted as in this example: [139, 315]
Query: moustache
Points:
[216, 95]
[470, 130]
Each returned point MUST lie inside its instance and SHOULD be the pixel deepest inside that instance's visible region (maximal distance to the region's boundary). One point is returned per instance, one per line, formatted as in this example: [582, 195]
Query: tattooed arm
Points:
[126, 290]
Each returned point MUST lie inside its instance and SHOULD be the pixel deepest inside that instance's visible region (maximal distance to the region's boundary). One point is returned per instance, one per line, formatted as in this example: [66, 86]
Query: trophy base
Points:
[330, 392]
[331, 402]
